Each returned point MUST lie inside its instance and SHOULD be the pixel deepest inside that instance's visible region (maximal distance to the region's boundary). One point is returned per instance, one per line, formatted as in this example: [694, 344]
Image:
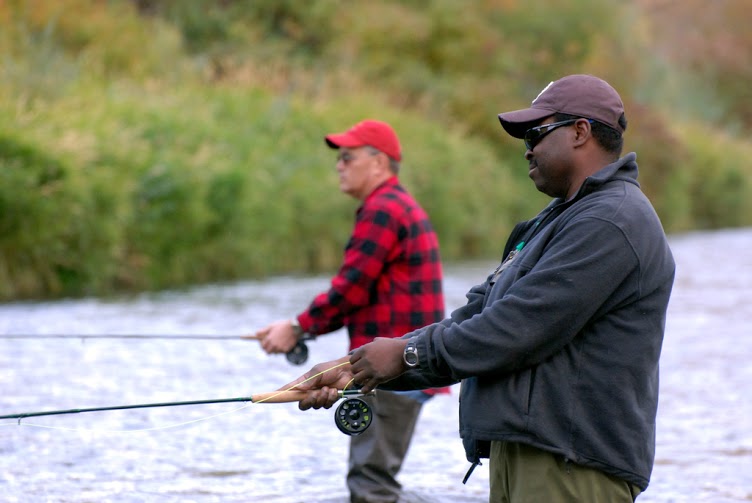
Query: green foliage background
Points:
[161, 143]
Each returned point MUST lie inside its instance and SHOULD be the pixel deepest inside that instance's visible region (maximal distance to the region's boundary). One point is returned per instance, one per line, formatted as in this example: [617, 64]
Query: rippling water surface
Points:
[236, 452]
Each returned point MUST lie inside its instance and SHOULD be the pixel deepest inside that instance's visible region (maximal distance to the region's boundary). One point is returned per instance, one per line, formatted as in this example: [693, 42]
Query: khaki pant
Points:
[376, 455]
[520, 473]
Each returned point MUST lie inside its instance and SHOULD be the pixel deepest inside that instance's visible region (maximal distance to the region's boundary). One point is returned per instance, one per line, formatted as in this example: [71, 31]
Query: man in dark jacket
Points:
[558, 349]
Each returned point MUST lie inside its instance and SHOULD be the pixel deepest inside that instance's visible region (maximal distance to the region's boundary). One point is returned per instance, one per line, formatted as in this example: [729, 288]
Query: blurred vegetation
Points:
[148, 144]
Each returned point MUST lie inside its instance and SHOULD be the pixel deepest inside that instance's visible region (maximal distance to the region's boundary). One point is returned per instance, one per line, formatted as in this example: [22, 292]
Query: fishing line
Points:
[298, 355]
[138, 430]
[31, 337]
[268, 398]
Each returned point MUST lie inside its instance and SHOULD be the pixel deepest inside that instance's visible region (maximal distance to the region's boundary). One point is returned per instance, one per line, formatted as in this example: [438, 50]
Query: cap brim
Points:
[342, 140]
[516, 123]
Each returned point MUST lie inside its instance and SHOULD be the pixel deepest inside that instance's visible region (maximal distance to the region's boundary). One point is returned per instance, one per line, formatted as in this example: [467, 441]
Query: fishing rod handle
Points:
[291, 396]
[279, 396]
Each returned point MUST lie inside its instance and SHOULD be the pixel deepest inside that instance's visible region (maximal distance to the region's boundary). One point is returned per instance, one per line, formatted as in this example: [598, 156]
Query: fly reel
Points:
[353, 416]
[299, 354]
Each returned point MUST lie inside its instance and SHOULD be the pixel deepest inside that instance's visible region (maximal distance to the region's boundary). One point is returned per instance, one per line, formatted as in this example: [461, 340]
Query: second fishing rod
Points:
[298, 355]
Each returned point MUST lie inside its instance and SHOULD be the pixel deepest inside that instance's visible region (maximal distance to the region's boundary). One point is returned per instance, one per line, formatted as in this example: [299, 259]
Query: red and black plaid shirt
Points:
[390, 281]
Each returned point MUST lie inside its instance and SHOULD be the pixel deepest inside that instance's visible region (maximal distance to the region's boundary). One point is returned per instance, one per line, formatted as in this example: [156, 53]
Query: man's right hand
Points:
[278, 337]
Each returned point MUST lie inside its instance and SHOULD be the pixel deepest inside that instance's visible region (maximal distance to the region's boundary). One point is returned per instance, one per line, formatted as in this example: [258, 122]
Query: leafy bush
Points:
[149, 144]
[55, 238]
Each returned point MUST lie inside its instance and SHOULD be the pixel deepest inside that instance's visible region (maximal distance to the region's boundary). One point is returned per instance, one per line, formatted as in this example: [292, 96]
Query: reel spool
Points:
[353, 416]
[299, 354]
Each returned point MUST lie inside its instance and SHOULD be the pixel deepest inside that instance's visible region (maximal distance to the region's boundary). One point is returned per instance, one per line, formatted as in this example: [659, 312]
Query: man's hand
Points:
[279, 337]
[323, 383]
[377, 362]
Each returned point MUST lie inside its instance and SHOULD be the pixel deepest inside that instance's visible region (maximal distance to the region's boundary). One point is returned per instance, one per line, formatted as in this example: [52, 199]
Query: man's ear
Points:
[383, 161]
[583, 131]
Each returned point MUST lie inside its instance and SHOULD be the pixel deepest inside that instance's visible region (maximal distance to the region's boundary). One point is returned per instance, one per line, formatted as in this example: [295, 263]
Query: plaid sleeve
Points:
[366, 254]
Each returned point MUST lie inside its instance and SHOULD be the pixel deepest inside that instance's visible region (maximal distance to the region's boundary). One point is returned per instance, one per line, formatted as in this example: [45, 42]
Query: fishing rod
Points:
[352, 416]
[298, 355]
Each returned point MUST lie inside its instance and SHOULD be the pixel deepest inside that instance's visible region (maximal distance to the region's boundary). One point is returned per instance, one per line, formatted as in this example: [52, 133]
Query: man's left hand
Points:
[377, 362]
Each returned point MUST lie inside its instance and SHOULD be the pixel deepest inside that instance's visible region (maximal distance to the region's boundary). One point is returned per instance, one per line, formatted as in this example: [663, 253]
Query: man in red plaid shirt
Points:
[390, 283]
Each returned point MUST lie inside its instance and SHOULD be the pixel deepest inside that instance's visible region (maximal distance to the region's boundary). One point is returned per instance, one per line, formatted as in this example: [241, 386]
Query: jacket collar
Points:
[624, 169]
[389, 183]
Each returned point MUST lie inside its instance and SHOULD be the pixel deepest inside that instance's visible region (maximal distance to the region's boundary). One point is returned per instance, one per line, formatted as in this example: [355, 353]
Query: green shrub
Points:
[56, 235]
[156, 144]
[721, 179]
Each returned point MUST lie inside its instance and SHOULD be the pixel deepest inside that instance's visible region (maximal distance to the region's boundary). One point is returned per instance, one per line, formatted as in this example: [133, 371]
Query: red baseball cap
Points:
[376, 134]
[581, 95]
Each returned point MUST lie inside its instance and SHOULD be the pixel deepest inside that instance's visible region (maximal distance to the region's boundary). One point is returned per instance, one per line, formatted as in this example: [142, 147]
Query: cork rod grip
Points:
[279, 396]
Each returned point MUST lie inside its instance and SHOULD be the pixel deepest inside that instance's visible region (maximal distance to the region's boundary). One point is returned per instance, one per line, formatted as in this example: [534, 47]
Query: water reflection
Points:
[256, 452]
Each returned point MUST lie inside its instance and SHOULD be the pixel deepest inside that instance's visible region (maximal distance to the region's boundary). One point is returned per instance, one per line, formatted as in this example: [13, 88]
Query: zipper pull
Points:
[507, 261]
[470, 471]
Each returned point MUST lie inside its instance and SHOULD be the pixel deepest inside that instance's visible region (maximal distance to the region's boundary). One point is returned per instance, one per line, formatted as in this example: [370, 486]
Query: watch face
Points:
[411, 355]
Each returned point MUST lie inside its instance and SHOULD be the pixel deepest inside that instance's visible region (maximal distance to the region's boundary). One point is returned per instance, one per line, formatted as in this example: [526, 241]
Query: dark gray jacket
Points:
[560, 349]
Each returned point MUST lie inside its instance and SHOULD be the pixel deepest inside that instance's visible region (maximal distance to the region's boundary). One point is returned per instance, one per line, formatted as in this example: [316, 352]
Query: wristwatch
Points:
[296, 327]
[410, 355]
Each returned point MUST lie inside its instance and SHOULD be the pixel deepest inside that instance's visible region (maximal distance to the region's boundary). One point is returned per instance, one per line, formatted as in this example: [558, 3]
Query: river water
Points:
[235, 452]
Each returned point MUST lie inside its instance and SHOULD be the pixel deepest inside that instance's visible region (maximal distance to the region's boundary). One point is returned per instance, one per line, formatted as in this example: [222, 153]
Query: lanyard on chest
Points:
[522, 234]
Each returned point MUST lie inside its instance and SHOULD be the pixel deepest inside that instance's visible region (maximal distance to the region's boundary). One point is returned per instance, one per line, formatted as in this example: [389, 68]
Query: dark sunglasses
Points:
[534, 135]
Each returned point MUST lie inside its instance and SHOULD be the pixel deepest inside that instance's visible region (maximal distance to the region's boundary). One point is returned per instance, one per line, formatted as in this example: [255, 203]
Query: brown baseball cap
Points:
[376, 134]
[581, 95]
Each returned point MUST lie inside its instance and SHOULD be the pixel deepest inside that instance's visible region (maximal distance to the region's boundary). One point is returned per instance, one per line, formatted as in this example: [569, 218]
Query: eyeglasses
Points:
[534, 135]
[347, 157]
